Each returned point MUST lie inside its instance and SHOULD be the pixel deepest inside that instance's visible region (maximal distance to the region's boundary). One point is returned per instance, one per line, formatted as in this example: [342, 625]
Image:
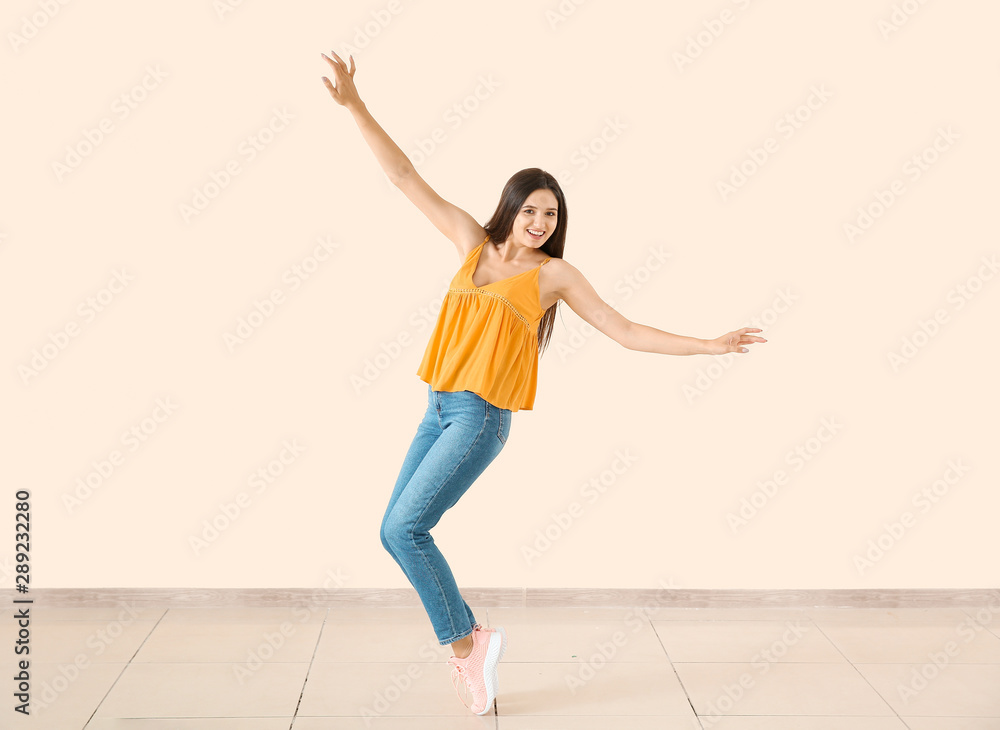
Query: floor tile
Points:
[246, 614]
[780, 689]
[204, 690]
[552, 614]
[746, 641]
[667, 613]
[378, 614]
[194, 668]
[800, 722]
[952, 690]
[370, 689]
[574, 689]
[609, 636]
[403, 640]
[81, 642]
[61, 696]
[599, 722]
[888, 615]
[953, 723]
[120, 612]
[451, 722]
[912, 642]
[200, 723]
[222, 641]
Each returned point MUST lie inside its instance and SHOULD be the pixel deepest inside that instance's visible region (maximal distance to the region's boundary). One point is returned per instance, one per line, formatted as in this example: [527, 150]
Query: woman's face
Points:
[538, 214]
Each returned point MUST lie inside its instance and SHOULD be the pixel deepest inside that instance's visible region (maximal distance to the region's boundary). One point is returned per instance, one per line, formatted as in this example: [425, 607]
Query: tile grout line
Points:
[312, 660]
[854, 667]
[496, 700]
[687, 696]
[127, 665]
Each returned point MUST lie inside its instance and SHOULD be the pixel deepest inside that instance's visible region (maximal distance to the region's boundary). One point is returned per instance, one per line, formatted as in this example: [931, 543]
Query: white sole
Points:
[498, 642]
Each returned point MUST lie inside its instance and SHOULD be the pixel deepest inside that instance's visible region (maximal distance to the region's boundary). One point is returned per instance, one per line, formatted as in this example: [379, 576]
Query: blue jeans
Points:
[460, 434]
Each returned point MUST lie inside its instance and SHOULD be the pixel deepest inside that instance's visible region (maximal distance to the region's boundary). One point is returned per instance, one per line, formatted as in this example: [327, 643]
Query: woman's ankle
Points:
[463, 647]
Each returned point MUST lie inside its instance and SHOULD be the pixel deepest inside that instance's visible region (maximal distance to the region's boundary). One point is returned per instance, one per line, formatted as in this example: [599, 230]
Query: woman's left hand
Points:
[734, 341]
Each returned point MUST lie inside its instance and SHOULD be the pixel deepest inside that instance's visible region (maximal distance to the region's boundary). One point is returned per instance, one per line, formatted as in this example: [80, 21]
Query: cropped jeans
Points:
[460, 434]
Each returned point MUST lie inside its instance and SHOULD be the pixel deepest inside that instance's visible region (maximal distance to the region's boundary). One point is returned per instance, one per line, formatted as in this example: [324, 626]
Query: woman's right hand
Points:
[344, 92]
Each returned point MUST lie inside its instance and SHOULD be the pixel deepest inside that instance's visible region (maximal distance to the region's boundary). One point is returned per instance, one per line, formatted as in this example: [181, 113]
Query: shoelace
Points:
[457, 674]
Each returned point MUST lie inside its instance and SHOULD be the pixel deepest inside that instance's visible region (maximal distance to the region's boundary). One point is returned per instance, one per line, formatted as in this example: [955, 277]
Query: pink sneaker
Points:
[503, 635]
[479, 670]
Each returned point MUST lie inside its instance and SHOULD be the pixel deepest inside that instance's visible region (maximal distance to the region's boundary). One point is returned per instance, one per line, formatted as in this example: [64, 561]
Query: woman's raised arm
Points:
[393, 160]
[460, 227]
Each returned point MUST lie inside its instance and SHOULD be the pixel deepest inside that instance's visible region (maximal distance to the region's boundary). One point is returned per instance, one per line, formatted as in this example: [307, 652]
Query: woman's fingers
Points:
[332, 89]
[340, 61]
[337, 66]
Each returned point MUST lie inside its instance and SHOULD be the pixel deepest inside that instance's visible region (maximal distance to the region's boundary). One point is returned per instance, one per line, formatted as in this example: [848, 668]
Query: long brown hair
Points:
[515, 192]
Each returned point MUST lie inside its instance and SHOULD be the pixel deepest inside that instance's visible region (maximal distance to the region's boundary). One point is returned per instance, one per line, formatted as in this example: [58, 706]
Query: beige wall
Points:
[128, 299]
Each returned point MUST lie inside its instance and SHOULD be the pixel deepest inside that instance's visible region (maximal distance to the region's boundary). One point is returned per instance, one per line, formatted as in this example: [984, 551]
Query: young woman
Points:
[480, 366]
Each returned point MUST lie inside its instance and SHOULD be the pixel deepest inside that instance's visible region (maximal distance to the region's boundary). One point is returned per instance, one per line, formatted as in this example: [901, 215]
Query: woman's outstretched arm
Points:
[571, 286]
[460, 227]
[393, 160]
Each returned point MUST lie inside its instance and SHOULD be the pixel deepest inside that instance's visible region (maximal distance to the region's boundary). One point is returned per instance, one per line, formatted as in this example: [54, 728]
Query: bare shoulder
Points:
[565, 282]
[562, 274]
[556, 278]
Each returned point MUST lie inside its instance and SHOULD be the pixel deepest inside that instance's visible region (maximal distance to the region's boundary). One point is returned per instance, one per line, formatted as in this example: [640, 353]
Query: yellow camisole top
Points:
[486, 337]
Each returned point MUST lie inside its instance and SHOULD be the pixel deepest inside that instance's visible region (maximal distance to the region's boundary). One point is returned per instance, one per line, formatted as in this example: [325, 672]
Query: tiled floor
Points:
[579, 669]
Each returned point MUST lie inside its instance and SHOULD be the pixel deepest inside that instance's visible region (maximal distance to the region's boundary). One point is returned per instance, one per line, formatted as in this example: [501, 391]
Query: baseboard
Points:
[512, 597]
